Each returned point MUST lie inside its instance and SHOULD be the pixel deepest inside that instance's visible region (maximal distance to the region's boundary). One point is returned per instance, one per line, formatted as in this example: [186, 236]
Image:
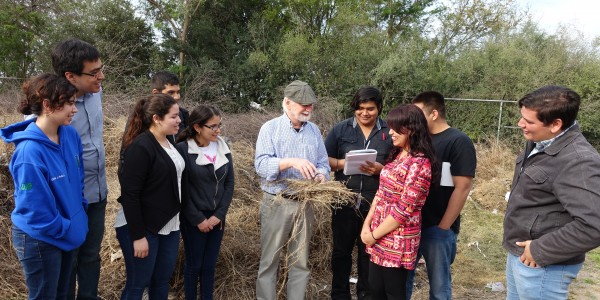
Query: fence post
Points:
[499, 122]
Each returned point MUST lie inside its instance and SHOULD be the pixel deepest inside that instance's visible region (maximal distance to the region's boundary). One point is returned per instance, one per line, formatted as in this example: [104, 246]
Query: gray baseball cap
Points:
[300, 92]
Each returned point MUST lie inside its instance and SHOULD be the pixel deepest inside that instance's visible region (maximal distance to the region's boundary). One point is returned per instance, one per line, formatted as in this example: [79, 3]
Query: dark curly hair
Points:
[56, 89]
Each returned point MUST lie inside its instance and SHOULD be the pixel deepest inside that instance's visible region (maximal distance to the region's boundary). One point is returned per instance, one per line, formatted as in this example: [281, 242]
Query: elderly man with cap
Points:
[288, 147]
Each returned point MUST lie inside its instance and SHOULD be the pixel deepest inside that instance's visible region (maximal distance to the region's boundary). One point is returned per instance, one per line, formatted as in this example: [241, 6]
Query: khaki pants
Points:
[278, 217]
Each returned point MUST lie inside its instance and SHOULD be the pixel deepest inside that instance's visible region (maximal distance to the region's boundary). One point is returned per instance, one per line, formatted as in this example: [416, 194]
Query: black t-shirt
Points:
[455, 147]
[346, 136]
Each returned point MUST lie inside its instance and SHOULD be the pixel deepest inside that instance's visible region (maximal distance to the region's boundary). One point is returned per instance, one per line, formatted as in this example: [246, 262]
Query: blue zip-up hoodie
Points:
[48, 178]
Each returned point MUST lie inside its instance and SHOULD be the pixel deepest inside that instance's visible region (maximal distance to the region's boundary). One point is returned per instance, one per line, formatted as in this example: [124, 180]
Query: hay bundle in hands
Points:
[326, 195]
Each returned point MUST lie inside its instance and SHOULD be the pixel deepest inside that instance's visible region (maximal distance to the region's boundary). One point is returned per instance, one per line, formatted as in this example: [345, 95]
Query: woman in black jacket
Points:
[150, 175]
[208, 189]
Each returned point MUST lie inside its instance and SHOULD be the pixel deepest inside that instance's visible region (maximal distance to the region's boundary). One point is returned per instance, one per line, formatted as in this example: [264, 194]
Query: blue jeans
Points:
[47, 268]
[153, 271]
[86, 265]
[201, 252]
[438, 248]
[548, 283]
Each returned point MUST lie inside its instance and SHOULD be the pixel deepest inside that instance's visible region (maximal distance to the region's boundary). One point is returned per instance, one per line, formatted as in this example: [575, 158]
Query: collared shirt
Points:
[542, 145]
[278, 139]
[346, 136]
[88, 122]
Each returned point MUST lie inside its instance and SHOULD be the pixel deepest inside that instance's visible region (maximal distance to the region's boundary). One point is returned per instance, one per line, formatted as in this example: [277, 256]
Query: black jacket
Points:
[205, 189]
[149, 189]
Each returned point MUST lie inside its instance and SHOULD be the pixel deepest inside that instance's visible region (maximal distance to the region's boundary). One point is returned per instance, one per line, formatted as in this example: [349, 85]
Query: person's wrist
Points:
[373, 235]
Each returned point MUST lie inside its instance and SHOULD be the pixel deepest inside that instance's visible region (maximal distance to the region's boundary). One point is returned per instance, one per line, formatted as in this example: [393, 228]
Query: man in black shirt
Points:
[441, 213]
[364, 130]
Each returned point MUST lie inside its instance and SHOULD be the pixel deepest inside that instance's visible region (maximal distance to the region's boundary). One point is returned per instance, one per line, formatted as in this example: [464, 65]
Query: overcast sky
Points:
[581, 14]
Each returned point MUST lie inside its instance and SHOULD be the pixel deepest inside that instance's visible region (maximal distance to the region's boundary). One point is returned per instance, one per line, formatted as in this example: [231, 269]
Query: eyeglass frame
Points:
[95, 75]
[214, 127]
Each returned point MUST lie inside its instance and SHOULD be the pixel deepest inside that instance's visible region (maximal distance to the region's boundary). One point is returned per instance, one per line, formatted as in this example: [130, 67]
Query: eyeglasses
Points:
[215, 127]
[95, 74]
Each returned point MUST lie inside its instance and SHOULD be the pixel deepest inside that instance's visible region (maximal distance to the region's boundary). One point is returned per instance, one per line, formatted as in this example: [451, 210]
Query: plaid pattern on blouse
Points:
[403, 187]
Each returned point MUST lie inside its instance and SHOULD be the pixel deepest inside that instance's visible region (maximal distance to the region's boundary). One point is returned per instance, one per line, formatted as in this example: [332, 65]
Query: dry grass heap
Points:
[240, 252]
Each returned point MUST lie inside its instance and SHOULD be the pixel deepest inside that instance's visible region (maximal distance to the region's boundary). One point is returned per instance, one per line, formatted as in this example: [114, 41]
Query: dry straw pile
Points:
[238, 261]
[240, 252]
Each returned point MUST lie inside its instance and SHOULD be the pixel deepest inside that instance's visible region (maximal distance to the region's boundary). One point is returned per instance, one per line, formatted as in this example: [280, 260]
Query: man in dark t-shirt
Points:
[441, 212]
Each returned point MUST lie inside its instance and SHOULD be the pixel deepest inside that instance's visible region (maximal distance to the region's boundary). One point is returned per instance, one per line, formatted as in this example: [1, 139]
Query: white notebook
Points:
[355, 158]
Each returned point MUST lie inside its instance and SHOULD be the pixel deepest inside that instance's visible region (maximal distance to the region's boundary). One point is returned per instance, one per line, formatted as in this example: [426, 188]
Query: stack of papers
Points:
[356, 158]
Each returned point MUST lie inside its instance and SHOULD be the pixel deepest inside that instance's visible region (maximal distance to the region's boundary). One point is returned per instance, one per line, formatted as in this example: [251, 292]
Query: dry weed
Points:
[237, 265]
[495, 166]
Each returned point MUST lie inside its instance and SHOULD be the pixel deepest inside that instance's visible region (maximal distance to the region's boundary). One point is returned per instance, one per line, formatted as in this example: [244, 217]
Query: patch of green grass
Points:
[481, 258]
[588, 281]
[594, 256]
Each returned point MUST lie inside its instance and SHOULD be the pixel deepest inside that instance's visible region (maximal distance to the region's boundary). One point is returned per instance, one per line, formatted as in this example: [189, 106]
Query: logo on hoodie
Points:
[26, 186]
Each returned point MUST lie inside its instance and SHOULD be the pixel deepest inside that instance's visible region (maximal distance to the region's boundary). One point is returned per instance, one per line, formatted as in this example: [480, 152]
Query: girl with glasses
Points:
[208, 190]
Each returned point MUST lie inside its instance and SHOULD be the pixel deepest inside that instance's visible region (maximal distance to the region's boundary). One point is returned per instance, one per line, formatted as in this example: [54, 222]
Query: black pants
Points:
[346, 224]
[387, 283]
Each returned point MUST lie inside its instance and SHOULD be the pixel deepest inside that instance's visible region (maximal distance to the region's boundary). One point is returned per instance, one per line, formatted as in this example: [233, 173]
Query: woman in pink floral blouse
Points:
[392, 229]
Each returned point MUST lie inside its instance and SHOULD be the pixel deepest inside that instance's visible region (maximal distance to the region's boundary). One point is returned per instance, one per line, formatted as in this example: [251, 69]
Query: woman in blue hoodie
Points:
[207, 194]
[49, 219]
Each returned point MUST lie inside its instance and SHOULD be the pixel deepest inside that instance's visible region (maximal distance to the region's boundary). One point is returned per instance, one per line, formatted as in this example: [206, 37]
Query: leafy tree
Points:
[125, 40]
[21, 23]
[176, 17]
[403, 17]
[466, 23]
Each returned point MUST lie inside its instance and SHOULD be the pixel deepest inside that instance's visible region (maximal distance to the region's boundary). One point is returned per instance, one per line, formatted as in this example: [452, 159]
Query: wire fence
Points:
[506, 116]
[481, 119]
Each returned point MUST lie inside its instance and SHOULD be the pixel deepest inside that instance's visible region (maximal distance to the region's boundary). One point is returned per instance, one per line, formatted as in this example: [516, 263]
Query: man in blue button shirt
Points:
[288, 147]
[80, 63]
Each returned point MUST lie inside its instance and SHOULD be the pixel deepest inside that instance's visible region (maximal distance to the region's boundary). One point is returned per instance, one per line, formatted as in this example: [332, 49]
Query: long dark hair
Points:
[143, 111]
[200, 115]
[409, 119]
[57, 90]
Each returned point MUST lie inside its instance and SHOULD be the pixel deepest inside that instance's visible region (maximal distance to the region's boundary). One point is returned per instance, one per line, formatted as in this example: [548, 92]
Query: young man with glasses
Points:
[80, 63]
